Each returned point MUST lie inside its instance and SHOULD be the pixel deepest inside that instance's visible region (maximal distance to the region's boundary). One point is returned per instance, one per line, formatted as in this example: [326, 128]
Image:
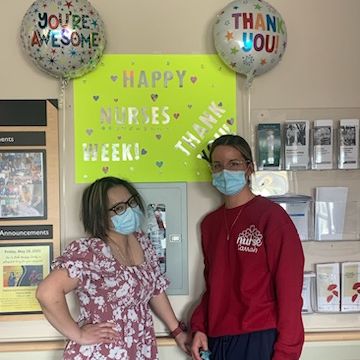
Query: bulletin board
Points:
[29, 203]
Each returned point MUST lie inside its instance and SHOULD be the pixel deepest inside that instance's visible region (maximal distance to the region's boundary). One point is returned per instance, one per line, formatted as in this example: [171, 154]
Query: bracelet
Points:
[181, 327]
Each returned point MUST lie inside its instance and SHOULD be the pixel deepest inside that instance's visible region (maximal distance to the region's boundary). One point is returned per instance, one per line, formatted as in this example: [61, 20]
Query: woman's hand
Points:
[183, 341]
[97, 333]
[200, 342]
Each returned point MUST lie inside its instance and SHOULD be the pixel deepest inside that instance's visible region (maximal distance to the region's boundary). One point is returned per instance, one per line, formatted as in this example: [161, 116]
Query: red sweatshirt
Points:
[253, 279]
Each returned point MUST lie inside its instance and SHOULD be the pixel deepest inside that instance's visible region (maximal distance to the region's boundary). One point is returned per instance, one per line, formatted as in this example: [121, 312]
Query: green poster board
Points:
[146, 118]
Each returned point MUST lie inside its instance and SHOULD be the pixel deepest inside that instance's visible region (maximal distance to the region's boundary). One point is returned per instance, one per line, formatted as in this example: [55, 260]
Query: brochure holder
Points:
[323, 145]
[348, 144]
[328, 287]
[305, 145]
[296, 148]
[299, 208]
[269, 146]
[336, 218]
[350, 286]
[308, 293]
[322, 220]
[337, 287]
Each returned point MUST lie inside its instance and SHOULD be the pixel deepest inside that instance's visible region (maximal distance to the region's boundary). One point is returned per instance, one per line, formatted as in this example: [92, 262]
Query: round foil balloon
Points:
[250, 37]
[65, 39]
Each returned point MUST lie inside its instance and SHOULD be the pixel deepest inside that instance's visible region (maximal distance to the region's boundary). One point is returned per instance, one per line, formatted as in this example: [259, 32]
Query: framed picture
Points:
[22, 267]
[22, 184]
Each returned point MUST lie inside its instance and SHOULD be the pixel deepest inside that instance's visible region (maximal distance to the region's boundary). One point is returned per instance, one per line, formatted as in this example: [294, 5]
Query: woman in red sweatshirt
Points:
[251, 308]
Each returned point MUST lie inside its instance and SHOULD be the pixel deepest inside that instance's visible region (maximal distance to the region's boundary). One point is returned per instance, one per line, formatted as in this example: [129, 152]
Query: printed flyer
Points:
[22, 267]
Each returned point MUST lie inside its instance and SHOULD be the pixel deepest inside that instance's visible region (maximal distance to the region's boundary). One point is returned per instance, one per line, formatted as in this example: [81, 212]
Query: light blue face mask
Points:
[128, 222]
[229, 182]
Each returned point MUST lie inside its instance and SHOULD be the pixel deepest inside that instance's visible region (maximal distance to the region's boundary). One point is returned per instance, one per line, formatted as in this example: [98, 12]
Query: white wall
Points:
[318, 70]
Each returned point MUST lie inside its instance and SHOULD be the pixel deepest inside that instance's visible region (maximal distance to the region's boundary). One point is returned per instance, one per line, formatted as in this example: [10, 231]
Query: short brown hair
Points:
[95, 204]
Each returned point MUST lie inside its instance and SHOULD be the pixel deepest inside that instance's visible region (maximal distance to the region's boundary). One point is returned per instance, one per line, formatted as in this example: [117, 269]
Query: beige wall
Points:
[318, 74]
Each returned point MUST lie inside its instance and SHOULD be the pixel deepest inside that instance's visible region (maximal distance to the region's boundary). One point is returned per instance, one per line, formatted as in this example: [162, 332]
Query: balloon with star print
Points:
[250, 37]
[65, 39]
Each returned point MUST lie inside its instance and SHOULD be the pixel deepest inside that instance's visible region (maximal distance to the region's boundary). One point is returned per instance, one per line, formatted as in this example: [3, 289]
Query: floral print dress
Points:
[109, 291]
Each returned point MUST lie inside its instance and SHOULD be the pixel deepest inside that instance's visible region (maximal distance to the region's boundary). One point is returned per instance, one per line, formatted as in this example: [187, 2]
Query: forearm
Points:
[51, 294]
[289, 283]
[162, 308]
[198, 321]
[290, 327]
[57, 313]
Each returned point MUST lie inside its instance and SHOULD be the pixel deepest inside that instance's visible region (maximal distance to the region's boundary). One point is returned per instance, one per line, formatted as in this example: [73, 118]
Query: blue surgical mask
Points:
[128, 222]
[229, 182]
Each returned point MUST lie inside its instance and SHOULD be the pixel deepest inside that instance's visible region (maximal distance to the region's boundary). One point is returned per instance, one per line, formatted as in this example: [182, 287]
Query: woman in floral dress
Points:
[117, 279]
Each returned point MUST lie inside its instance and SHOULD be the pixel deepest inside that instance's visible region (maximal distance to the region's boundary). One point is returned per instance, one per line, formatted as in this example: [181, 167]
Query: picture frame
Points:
[22, 267]
[23, 184]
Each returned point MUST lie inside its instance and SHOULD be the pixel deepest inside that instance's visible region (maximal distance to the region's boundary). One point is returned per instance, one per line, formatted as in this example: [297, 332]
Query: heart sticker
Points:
[89, 131]
[96, 97]
[114, 77]
[154, 97]
[105, 169]
[159, 164]
[193, 79]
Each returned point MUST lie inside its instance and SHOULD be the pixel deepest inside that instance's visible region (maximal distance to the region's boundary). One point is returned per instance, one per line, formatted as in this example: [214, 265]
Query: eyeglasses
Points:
[121, 207]
[231, 165]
